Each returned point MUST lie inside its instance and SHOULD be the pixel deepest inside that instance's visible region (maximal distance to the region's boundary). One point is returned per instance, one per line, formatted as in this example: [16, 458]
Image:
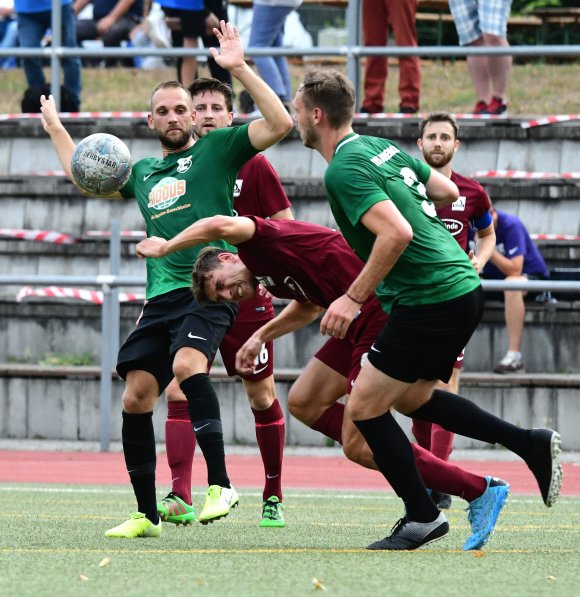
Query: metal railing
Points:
[353, 51]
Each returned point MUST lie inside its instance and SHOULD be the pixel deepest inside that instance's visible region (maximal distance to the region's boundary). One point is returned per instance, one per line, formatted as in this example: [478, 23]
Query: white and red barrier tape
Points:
[554, 237]
[45, 236]
[523, 174]
[73, 115]
[48, 173]
[91, 296]
[528, 124]
[107, 233]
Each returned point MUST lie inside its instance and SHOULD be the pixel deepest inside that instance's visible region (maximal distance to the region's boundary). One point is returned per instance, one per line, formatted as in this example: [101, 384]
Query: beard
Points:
[309, 137]
[438, 160]
[175, 142]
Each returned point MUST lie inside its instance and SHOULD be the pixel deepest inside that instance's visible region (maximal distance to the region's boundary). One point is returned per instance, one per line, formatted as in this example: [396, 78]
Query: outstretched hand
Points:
[49, 117]
[231, 52]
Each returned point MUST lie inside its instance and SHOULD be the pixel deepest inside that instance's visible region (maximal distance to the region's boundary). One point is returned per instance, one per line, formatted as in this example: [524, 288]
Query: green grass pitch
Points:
[52, 543]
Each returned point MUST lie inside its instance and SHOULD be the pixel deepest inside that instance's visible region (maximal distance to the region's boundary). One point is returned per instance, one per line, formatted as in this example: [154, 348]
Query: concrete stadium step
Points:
[62, 403]
[37, 326]
[493, 144]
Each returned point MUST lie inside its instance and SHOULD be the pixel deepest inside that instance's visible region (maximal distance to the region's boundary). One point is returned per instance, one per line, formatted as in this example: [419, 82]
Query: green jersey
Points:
[176, 191]
[433, 268]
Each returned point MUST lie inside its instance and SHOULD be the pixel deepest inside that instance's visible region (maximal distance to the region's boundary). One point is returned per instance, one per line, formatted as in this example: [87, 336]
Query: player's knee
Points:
[261, 400]
[298, 407]
[137, 402]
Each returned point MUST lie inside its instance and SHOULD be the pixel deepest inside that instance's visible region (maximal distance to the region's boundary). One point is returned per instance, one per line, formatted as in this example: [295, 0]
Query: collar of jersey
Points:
[350, 137]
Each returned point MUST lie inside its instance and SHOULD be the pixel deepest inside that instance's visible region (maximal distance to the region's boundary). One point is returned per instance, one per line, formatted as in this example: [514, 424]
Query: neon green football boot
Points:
[137, 526]
[218, 503]
[173, 509]
[273, 513]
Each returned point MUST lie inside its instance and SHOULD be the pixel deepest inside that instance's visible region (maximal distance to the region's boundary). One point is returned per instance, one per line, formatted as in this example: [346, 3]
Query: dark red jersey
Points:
[472, 205]
[258, 191]
[301, 261]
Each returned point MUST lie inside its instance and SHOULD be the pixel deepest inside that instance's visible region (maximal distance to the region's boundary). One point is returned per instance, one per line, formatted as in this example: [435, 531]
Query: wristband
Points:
[354, 300]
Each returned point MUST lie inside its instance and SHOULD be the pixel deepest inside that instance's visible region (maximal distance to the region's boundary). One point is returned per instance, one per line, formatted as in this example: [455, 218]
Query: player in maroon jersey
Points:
[289, 258]
[257, 191]
[438, 141]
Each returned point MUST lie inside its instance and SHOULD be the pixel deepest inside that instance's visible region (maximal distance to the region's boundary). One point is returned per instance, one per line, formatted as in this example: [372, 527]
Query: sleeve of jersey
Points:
[271, 195]
[421, 169]
[352, 186]
[233, 145]
[128, 190]
[514, 241]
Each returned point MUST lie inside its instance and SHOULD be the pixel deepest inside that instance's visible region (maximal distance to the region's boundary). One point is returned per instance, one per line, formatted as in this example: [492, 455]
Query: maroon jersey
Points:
[473, 204]
[301, 261]
[258, 191]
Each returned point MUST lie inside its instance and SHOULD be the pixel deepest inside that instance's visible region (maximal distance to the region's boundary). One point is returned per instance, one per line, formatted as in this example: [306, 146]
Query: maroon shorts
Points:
[459, 360]
[233, 341]
[347, 356]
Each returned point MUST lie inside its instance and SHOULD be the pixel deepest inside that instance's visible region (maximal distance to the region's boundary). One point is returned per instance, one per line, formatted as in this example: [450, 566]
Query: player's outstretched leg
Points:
[545, 464]
[484, 511]
[218, 503]
[137, 526]
[173, 509]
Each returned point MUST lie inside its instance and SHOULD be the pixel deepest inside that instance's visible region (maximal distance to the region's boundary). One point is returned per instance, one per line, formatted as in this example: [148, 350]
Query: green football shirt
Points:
[366, 170]
[181, 188]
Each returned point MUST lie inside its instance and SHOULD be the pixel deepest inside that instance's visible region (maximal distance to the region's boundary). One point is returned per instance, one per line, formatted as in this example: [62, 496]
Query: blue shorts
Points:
[473, 18]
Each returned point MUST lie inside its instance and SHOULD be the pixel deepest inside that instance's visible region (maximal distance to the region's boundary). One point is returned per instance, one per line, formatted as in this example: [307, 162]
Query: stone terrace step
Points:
[487, 144]
[35, 327]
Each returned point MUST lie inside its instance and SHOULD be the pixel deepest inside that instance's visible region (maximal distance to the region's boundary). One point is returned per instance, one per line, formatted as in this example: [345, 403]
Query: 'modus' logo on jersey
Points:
[454, 226]
[385, 155]
[165, 193]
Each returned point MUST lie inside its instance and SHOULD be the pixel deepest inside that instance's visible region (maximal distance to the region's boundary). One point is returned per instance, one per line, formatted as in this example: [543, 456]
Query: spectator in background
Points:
[515, 258]
[268, 32]
[377, 17]
[190, 25]
[112, 22]
[34, 18]
[8, 32]
[484, 23]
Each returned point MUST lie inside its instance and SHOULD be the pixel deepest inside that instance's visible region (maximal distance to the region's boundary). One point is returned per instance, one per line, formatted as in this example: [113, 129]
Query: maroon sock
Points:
[270, 431]
[330, 423]
[441, 441]
[422, 432]
[180, 446]
[447, 478]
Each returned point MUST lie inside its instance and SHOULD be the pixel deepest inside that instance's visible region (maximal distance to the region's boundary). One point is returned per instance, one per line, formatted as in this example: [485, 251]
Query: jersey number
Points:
[262, 358]
[410, 179]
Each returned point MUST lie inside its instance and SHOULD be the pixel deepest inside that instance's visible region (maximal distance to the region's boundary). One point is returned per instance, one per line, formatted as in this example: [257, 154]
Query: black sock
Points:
[204, 411]
[140, 458]
[394, 457]
[464, 417]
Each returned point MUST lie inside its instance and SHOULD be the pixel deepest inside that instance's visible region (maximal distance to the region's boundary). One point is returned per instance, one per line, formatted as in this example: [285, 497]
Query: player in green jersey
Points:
[384, 203]
[175, 336]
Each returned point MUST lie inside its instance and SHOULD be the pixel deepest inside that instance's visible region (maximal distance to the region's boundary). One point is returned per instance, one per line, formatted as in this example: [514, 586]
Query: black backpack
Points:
[31, 100]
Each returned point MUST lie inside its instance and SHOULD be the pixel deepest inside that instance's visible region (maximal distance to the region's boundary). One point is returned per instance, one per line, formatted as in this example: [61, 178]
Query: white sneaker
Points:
[511, 363]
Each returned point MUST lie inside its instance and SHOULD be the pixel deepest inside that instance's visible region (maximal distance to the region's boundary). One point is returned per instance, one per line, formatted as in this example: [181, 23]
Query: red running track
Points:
[304, 472]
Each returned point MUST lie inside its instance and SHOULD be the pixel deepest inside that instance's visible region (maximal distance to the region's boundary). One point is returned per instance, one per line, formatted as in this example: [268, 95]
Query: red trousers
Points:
[377, 17]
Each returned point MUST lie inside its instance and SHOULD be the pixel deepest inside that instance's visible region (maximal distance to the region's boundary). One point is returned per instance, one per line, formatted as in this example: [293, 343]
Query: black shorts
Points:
[192, 21]
[423, 342]
[170, 322]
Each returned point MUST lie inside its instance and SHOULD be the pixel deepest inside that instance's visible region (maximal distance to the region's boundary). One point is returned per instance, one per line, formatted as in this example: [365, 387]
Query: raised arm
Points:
[233, 230]
[61, 140]
[293, 317]
[276, 122]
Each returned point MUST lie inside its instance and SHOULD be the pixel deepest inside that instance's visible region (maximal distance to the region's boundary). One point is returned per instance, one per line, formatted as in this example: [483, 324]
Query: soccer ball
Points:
[101, 164]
